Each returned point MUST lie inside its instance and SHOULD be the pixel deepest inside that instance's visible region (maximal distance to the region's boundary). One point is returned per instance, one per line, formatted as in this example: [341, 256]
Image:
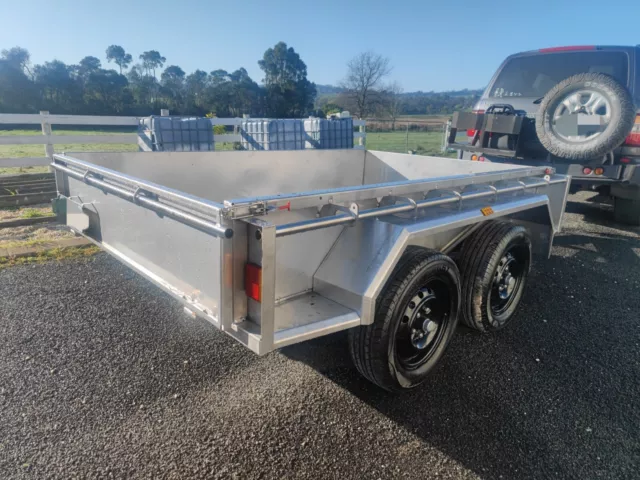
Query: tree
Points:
[173, 86]
[152, 60]
[86, 67]
[288, 91]
[196, 86]
[59, 90]
[218, 77]
[17, 57]
[17, 91]
[144, 88]
[107, 88]
[172, 73]
[116, 54]
[365, 72]
[392, 105]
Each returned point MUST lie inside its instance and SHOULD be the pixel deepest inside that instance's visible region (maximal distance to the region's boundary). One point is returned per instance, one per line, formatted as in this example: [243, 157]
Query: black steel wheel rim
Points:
[508, 280]
[423, 324]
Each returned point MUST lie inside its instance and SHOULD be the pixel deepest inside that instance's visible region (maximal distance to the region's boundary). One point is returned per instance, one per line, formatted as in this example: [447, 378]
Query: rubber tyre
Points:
[373, 348]
[478, 261]
[626, 211]
[623, 114]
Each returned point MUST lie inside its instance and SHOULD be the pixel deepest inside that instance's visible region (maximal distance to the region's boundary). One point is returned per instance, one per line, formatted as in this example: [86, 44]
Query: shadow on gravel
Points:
[596, 209]
[554, 395]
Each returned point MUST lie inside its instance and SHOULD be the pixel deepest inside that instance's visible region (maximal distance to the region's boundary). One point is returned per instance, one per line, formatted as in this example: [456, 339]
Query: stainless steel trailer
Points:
[278, 247]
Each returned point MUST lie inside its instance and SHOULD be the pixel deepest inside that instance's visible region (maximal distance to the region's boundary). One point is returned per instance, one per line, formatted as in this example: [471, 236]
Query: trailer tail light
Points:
[625, 160]
[253, 281]
[471, 132]
[598, 171]
[474, 157]
[481, 158]
[633, 139]
[586, 171]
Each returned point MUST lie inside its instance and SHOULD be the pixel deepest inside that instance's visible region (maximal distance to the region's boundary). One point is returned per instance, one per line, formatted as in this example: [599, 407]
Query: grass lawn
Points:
[17, 151]
[422, 143]
[425, 118]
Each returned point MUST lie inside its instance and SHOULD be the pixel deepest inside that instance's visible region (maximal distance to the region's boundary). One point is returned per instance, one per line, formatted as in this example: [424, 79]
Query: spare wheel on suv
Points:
[585, 116]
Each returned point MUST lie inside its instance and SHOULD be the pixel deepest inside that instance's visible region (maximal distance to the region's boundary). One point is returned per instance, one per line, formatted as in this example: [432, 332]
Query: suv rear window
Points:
[535, 75]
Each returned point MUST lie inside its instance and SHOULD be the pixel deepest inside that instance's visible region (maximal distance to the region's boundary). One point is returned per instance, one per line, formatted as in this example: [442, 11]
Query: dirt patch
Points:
[33, 235]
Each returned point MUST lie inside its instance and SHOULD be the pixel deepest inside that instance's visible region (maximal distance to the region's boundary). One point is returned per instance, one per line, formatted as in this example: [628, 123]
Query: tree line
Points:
[149, 84]
[91, 88]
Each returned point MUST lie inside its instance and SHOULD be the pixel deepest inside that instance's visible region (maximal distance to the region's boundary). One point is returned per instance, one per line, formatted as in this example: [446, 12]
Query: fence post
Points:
[445, 135]
[406, 150]
[362, 140]
[46, 131]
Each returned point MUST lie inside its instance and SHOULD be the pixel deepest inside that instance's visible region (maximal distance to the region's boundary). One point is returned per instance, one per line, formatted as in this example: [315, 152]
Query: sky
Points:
[431, 45]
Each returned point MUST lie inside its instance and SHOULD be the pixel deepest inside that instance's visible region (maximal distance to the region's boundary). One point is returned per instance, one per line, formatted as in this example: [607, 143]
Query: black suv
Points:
[573, 108]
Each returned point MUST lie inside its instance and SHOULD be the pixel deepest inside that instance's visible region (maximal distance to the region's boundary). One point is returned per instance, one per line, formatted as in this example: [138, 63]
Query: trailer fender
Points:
[363, 258]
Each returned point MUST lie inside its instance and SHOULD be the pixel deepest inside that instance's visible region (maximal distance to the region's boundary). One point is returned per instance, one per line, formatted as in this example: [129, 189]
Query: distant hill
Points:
[413, 103]
[466, 92]
[328, 89]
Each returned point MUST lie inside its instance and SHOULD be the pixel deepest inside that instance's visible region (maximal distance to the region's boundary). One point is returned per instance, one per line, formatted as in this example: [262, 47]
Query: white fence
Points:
[45, 120]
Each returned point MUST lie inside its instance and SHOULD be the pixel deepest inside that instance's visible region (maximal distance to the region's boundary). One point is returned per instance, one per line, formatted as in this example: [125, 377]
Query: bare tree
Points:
[365, 72]
[393, 102]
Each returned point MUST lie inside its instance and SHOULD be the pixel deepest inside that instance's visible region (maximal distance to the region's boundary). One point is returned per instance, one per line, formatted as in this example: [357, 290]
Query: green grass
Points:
[422, 143]
[54, 254]
[18, 151]
[32, 213]
[436, 118]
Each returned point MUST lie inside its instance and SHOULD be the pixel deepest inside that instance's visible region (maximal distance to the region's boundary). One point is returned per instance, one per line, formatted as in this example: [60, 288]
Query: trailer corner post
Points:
[268, 294]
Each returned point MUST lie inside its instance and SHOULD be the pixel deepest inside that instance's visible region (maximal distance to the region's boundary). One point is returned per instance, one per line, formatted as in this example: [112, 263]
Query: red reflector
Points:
[253, 281]
[471, 132]
[548, 171]
[586, 170]
[633, 139]
[567, 49]
[625, 160]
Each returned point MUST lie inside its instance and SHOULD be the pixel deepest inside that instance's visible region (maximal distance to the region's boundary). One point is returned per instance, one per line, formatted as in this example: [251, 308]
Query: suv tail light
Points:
[633, 139]
[572, 48]
[471, 132]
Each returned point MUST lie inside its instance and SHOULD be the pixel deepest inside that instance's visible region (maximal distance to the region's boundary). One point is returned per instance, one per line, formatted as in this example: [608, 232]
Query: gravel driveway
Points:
[102, 375]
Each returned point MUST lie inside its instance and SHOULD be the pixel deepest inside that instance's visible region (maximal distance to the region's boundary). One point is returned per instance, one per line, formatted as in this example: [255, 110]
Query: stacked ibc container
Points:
[272, 134]
[295, 134]
[179, 134]
[329, 134]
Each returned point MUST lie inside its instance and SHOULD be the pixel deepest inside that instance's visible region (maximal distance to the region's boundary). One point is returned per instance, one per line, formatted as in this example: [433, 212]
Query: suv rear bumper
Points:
[612, 173]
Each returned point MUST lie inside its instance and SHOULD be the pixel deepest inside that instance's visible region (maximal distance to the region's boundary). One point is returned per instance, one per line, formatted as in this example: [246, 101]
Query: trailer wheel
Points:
[416, 316]
[494, 263]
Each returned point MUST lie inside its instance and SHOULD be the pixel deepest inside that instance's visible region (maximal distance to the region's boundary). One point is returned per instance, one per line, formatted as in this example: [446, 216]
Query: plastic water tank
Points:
[329, 133]
[180, 134]
[272, 134]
